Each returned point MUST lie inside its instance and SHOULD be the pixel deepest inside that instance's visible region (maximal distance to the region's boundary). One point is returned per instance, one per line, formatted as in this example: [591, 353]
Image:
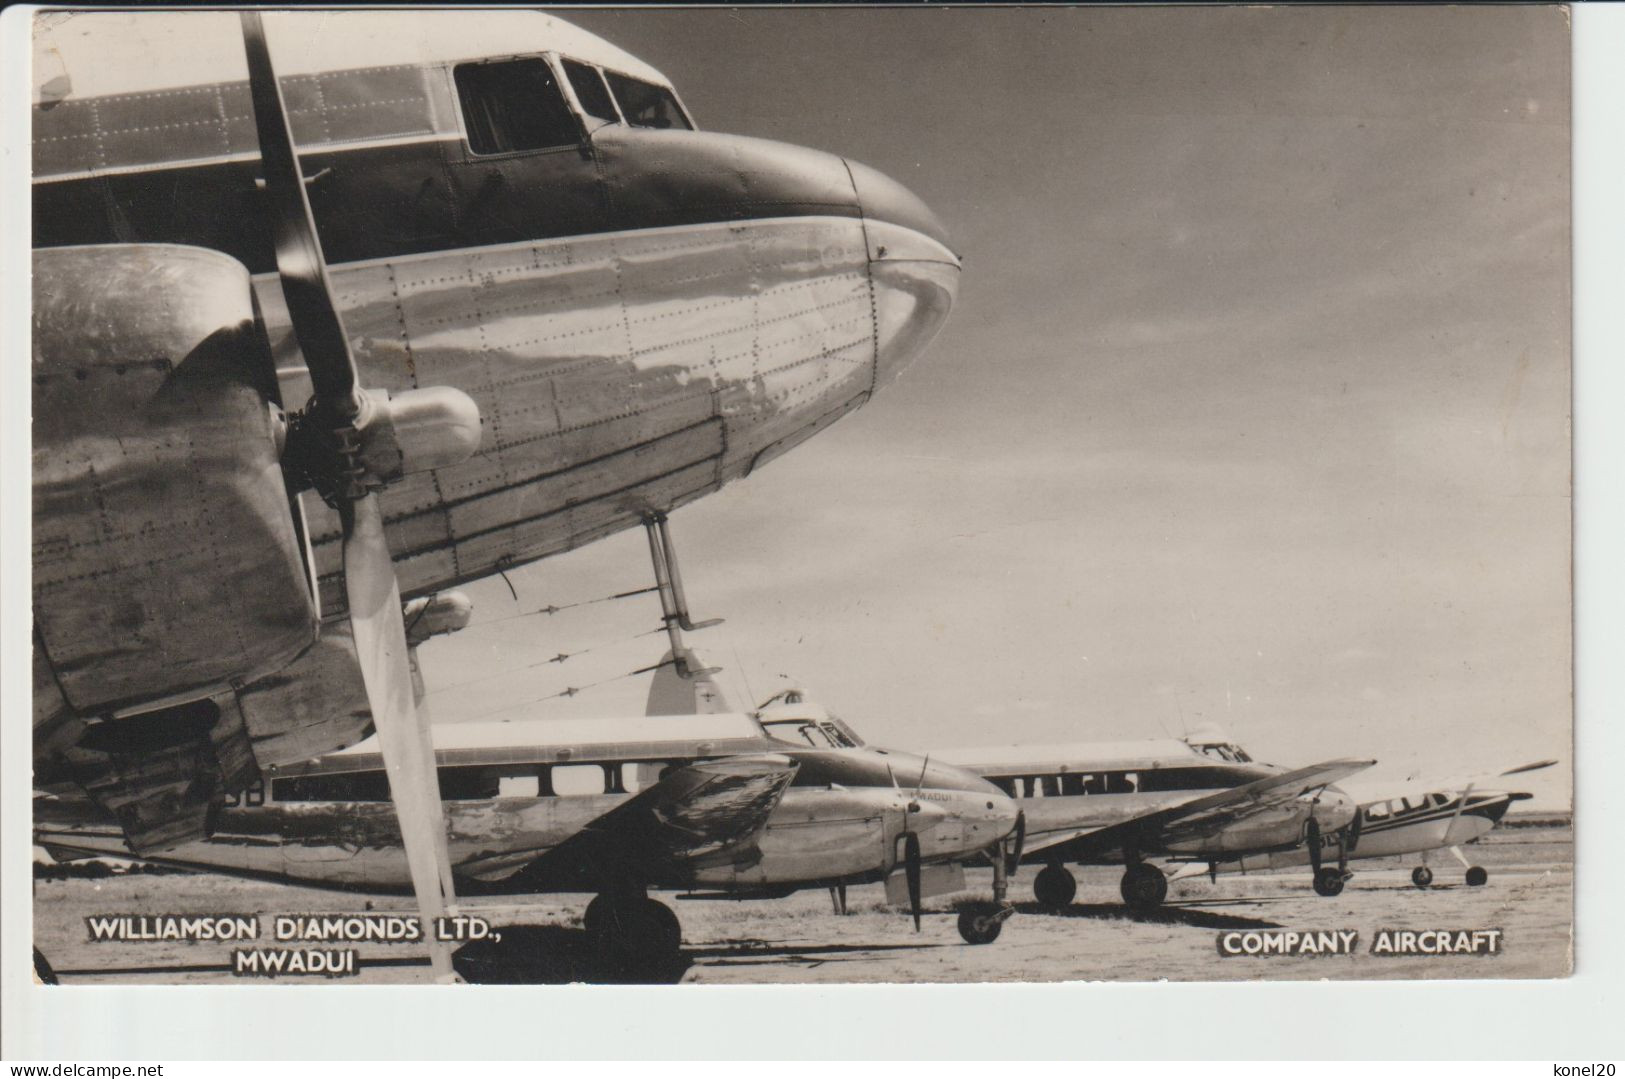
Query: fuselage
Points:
[1396, 826]
[507, 801]
[509, 206]
[1085, 786]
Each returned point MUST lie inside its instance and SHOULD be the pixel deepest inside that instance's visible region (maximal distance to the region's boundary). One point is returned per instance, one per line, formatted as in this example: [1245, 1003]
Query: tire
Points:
[1144, 887]
[1329, 882]
[639, 931]
[1477, 876]
[1421, 876]
[592, 919]
[977, 926]
[1054, 887]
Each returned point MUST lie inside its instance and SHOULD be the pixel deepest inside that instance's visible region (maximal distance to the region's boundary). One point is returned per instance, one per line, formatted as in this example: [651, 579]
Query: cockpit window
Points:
[513, 105]
[1232, 753]
[646, 105]
[803, 732]
[591, 91]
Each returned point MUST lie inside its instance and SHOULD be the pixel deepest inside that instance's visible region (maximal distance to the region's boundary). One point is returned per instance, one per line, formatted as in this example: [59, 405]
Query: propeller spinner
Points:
[346, 444]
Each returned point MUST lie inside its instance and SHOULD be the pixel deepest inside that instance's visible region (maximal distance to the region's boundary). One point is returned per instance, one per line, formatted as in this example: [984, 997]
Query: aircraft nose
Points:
[914, 273]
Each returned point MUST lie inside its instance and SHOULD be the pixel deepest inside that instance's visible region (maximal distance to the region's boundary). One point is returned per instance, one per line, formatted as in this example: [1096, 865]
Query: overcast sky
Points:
[1253, 410]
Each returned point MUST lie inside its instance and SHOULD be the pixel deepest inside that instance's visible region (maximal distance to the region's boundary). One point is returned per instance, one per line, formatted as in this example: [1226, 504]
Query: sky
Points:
[1254, 408]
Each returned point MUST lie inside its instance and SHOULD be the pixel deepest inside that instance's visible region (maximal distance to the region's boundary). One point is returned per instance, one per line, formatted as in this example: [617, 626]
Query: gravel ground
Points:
[1529, 897]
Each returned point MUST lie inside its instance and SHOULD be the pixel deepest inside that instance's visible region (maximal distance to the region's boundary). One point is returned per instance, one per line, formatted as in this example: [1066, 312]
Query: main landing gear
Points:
[628, 929]
[1144, 887]
[1054, 887]
[1477, 876]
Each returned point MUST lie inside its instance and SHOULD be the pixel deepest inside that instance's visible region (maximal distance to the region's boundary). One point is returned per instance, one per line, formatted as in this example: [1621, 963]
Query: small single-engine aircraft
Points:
[528, 303]
[1447, 817]
[1120, 803]
[707, 802]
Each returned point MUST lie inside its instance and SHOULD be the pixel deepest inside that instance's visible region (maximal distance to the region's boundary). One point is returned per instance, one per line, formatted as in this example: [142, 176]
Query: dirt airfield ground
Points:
[798, 940]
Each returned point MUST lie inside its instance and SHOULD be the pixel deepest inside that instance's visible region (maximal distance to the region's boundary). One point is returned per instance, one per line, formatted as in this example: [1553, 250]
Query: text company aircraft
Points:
[705, 802]
[1415, 823]
[1110, 803]
[528, 302]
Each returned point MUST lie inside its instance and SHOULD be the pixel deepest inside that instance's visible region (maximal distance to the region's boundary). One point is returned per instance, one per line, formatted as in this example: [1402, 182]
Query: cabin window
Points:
[469, 783]
[591, 91]
[1005, 784]
[513, 105]
[1052, 786]
[1072, 784]
[1376, 811]
[520, 785]
[1122, 783]
[578, 779]
[646, 105]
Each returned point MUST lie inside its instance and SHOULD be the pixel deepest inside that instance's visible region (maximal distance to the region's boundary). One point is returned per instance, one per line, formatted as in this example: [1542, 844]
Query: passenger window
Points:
[1376, 811]
[255, 795]
[1005, 784]
[1071, 784]
[513, 105]
[1052, 786]
[1122, 783]
[524, 785]
[647, 105]
[591, 91]
[571, 779]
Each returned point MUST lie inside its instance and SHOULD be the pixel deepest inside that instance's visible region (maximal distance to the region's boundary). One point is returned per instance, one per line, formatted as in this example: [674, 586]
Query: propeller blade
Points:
[1533, 766]
[1353, 838]
[1013, 860]
[403, 735]
[299, 262]
[911, 866]
[1312, 838]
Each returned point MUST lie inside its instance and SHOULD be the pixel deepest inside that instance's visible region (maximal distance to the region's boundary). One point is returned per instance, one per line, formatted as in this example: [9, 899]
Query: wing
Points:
[711, 810]
[1229, 804]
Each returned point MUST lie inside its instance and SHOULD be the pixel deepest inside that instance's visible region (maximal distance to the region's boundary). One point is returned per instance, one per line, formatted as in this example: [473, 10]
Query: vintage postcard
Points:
[780, 495]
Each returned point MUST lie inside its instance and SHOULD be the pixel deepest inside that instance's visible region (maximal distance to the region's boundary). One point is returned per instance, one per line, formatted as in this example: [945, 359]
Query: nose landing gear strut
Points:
[981, 923]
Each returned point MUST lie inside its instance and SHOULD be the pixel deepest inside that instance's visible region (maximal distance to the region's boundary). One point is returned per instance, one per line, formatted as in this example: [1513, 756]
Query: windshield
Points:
[806, 732]
[646, 105]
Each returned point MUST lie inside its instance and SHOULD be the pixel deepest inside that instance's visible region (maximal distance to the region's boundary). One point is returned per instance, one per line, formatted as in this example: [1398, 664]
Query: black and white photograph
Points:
[801, 495]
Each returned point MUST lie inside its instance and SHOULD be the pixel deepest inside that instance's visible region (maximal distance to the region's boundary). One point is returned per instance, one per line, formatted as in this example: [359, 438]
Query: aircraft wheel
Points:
[592, 919]
[1054, 886]
[980, 924]
[1328, 881]
[1421, 876]
[1477, 875]
[1144, 887]
[637, 930]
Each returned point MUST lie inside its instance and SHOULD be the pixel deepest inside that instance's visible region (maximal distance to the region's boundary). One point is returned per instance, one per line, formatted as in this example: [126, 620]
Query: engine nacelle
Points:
[168, 564]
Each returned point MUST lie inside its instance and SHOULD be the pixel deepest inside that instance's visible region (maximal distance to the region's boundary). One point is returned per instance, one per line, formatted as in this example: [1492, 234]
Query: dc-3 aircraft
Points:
[716, 802]
[1203, 797]
[1445, 818]
[528, 303]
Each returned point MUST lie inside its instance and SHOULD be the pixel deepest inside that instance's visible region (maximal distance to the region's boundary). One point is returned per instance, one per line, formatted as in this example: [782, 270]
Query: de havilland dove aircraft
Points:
[707, 802]
[528, 302]
[1201, 797]
[1444, 818]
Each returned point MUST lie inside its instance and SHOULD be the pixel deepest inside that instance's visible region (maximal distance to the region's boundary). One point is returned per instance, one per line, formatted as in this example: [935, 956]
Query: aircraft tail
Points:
[684, 688]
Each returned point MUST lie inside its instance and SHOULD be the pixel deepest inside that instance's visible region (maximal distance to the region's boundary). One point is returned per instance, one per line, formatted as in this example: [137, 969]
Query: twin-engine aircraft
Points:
[528, 303]
[1202, 797]
[1445, 818]
[712, 803]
